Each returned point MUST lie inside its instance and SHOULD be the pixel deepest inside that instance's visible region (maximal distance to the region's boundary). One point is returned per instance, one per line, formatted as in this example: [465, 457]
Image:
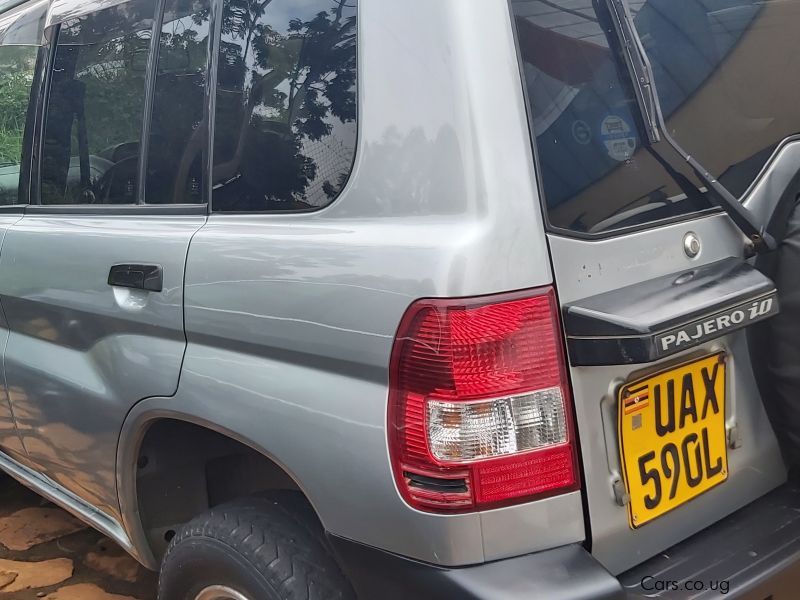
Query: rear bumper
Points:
[753, 554]
[566, 573]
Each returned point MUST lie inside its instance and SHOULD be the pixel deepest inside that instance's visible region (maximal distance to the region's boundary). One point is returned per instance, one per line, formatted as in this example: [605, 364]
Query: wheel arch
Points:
[139, 423]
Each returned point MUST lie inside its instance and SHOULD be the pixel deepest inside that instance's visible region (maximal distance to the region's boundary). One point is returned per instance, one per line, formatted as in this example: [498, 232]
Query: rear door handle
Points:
[141, 277]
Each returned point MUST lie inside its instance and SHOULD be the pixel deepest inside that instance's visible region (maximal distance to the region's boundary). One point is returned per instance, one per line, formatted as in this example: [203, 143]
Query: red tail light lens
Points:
[479, 409]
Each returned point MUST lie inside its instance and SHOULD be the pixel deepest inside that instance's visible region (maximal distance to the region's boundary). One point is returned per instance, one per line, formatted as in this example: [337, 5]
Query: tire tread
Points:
[277, 540]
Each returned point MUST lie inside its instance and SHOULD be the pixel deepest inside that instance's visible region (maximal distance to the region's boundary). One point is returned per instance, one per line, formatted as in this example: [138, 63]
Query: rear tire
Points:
[258, 549]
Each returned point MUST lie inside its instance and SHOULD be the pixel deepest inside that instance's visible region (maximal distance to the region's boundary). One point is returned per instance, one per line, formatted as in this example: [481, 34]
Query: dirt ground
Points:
[45, 553]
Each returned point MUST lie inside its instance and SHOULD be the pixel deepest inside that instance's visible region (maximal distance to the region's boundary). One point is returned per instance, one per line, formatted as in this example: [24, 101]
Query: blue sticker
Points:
[618, 137]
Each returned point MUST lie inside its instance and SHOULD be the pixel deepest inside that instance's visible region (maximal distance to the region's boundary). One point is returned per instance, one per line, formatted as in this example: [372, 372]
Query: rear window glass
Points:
[285, 131]
[728, 85]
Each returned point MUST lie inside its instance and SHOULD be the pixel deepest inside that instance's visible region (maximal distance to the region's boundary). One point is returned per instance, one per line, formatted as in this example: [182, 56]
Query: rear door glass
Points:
[17, 69]
[92, 133]
[727, 83]
[177, 135]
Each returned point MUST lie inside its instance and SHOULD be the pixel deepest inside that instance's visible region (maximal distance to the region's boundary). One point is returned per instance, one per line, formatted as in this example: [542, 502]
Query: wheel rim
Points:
[220, 592]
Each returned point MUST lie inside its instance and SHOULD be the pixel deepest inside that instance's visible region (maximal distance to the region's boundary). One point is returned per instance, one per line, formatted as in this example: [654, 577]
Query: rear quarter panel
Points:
[290, 319]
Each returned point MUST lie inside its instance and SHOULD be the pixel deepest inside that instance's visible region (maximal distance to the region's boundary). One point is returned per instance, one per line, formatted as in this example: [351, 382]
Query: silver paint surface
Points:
[290, 319]
[81, 354]
[585, 268]
[10, 441]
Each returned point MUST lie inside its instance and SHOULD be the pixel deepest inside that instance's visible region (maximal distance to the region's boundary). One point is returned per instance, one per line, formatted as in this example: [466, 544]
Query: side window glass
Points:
[285, 131]
[92, 132]
[17, 67]
[177, 132]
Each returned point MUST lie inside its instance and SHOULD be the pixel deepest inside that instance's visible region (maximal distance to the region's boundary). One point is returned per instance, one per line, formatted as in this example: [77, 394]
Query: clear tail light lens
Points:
[480, 411]
[465, 431]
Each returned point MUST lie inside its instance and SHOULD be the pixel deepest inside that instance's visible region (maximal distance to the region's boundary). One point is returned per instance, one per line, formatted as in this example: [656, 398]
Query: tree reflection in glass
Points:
[177, 128]
[286, 104]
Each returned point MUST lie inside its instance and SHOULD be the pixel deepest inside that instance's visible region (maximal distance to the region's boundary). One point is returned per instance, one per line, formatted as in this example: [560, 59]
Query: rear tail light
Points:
[479, 409]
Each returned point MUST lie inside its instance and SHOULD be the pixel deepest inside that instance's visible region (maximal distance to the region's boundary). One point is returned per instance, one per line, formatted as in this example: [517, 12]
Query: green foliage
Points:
[16, 78]
[114, 90]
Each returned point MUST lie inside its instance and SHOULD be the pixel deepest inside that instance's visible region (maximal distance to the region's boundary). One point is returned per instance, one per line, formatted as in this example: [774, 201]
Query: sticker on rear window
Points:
[618, 138]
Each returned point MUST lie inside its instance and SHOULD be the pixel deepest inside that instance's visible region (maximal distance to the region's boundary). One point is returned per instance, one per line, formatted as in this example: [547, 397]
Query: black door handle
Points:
[142, 277]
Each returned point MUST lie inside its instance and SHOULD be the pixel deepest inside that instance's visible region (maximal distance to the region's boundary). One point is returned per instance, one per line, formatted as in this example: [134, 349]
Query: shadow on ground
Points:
[46, 553]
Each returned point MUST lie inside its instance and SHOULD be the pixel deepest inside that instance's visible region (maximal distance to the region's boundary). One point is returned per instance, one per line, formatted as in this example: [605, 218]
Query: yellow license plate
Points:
[672, 437]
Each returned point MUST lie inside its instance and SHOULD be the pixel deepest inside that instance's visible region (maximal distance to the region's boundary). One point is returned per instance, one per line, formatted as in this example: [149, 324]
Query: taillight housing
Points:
[479, 406]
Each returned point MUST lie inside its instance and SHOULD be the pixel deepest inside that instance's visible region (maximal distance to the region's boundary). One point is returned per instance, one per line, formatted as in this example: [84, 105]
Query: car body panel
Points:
[81, 353]
[755, 467]
[301, 311]
[10, 441]
[277, 330]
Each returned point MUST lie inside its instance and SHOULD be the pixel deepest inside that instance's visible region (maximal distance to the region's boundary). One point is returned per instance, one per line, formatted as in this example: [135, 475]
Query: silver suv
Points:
[310, 299]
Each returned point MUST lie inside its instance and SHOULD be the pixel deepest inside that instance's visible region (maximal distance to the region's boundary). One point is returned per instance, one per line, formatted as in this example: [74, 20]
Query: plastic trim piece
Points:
[52, 491]
[654, 319]
[568, 572]
[754, 553]
[135, 210]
